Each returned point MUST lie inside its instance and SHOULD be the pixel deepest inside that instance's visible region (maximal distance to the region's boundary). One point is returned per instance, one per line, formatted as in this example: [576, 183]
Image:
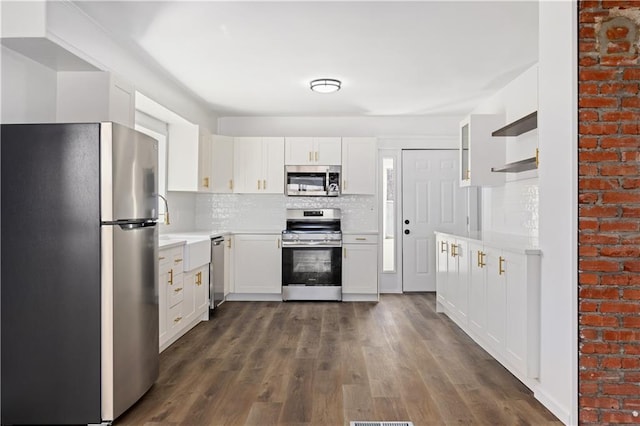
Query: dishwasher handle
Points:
[217, 241]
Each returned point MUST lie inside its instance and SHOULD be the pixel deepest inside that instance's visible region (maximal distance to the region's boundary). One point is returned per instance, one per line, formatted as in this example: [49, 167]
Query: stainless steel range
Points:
[312, 255]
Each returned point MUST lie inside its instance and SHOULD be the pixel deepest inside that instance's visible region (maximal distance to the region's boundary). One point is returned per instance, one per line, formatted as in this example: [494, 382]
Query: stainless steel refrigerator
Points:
[79, 296]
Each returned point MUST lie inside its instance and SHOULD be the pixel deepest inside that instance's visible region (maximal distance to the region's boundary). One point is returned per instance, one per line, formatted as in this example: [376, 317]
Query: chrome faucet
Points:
[166, 210]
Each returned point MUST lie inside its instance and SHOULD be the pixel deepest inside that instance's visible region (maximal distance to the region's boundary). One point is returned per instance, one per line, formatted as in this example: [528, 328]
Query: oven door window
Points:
[311, 266]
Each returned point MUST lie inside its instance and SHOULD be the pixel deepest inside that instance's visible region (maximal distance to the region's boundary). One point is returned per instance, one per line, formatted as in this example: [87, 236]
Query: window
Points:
[388, 210]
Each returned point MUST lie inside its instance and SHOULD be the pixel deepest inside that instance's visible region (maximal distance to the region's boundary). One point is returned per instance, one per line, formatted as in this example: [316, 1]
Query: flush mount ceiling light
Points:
[325, 85]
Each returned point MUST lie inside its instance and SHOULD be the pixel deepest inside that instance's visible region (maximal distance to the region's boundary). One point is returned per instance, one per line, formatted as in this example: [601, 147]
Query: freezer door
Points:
[130, 359]
[128, 174]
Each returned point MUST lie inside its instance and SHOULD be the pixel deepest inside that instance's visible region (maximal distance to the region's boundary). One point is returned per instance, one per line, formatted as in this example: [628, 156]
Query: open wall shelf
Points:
[518, 127]
[517, 166]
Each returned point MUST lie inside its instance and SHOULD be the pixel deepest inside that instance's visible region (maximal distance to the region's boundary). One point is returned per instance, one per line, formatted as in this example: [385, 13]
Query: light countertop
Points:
[166, 243]
[173, 239]
[517, 243]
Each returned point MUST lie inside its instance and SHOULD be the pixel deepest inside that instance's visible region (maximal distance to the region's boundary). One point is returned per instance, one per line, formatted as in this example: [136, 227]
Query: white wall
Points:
[557, 129]
[28, 90]
[409, 128]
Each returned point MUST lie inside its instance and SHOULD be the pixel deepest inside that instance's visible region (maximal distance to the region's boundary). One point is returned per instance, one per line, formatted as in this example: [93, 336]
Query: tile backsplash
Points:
[247, 212]
[512, 208]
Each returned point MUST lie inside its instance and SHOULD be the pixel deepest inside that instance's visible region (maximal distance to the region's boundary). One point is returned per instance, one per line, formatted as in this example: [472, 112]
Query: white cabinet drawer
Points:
[360, 239]
[174, 317]
[167, 256]
[176, 291]
[177, 259]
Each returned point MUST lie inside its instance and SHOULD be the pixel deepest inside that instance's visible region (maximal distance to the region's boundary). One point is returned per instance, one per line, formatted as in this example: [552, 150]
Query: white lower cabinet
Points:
[494, 296]
[442, 271]
[360, 267]
[227, 265]
[495, 299]
[477, 319]
[452, 270]
[196, 292]
[257, 267]
[458, 280]
[183, 296]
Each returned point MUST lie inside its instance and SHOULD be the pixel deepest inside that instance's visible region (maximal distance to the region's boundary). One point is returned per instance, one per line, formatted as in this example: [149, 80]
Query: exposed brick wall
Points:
[609, 211]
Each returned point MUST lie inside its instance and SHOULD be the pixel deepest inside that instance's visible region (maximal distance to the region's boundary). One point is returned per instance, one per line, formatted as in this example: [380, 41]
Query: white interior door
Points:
[431, 201]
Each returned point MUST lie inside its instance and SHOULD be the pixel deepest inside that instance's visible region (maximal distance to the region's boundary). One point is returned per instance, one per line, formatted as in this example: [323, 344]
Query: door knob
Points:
[406, 221]
[407, 232]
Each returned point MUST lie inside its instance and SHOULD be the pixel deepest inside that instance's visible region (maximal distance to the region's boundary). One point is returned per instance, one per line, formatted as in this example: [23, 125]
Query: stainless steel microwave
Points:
[312, 181]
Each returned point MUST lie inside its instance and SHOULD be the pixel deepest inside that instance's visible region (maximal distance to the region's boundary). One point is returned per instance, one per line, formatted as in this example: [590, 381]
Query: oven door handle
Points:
[286, 244]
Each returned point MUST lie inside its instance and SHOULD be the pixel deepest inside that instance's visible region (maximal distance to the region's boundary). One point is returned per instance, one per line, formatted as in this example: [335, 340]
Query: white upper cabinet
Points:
[326, 151]
[204, 161]
[479, 151]
[189, 158]
[93, 96]
[258, 165]
[359, 163]
[221, 164]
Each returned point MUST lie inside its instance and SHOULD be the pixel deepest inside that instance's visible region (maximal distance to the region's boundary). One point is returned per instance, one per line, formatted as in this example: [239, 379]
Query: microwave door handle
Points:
[327, 183]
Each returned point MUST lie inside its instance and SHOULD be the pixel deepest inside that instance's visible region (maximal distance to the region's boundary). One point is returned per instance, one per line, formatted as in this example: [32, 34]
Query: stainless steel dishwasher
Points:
[216, 273]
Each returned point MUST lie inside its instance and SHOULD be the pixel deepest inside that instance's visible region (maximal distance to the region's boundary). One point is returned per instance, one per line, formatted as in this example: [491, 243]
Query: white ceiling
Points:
[394, 58]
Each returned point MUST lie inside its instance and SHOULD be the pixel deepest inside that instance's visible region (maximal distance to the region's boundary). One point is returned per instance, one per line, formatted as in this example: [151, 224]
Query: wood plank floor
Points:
[266, 363]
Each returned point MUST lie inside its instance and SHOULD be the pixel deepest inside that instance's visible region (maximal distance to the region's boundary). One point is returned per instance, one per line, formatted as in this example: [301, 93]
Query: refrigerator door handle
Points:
[127, 226]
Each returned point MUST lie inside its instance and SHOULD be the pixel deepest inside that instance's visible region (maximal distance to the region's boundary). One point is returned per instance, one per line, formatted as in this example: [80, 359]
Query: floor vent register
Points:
[361, 423]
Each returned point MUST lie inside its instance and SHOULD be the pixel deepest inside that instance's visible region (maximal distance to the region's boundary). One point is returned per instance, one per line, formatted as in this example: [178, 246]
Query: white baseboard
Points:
[254, 297]
[561, 412]
[357, 297]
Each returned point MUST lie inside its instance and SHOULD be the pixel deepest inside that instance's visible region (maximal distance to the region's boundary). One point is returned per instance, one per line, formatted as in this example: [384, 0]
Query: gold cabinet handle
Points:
[361, 239]
[443, 246]
[344, 184]
[205, 182]
[178, 319]
[161, 257]
[310, 156]
[468, 174]
[317, 156]
[500, 263]
[229, 243]
[481, 263]
[177, 290]
[537, 157]
[170, 276]
[278, 242]
[264, 184]
[199, 278]
[344, 252]
[454, 253]
[258, 184]
[231, 184]
[178, 260]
